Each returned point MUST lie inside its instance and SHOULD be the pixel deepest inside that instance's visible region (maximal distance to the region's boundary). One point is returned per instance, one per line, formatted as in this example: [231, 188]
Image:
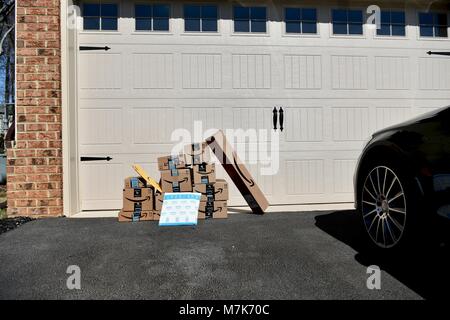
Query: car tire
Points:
[389, 206]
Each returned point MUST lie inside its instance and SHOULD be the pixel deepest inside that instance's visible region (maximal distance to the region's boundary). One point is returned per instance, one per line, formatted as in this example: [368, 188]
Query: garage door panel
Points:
[317, 176]
[343, 171]
[101, 126]
[201, 71]
[251, 71]
[349, 72]
[208, 117]
[153, 71]
[304, 124]
[100, 185]
[390, 115]
[302, 71]
[350, 123]
[100, 71]
[256, 122]
[153, 125]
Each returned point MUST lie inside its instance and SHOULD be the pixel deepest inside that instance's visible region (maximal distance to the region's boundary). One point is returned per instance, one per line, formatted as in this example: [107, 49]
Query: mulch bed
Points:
[12, 223]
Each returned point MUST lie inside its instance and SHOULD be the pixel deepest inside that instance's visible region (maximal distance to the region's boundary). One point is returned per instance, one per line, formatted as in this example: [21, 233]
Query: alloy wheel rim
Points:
[383, 207]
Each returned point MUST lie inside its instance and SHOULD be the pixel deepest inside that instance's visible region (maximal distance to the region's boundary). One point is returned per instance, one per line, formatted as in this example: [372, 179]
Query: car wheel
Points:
[387, 206]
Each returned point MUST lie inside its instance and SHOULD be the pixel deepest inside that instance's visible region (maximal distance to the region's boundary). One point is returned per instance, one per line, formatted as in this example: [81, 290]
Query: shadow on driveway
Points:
[424, 270]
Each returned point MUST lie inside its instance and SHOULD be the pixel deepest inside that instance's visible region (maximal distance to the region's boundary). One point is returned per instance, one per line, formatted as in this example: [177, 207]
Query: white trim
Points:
[64, 111]
[70, 179]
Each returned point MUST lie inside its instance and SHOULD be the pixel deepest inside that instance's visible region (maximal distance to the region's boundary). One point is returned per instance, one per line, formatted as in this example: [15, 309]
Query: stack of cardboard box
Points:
[138, 201]
[193, 172]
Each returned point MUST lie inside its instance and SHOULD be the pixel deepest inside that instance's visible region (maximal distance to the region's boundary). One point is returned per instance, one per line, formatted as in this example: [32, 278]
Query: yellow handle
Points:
[140, 171]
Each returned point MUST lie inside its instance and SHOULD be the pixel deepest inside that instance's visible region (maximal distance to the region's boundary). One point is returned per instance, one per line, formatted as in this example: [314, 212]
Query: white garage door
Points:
[334, 93]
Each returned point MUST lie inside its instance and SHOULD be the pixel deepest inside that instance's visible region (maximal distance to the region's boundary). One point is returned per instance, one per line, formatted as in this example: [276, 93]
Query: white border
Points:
[65, 124]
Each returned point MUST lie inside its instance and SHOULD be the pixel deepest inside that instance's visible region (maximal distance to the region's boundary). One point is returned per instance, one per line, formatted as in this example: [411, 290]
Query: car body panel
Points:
[422, 145]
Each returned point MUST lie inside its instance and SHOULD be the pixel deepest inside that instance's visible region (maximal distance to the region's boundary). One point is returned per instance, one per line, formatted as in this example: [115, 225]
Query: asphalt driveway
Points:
[314, 255]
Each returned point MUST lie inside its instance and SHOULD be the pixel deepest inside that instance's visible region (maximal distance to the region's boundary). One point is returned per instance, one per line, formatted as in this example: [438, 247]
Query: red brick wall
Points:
[34, 165]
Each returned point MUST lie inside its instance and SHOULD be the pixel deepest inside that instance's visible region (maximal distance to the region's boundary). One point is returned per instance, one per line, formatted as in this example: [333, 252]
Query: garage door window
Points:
[249, 19]
[392, 23]
[100, 16]
[433, 24]
[152, 17]
[347, 22]
[301, 20]
[200, 18]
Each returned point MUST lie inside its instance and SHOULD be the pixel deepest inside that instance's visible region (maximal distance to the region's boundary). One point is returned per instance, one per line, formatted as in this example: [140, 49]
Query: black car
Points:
[402, 180]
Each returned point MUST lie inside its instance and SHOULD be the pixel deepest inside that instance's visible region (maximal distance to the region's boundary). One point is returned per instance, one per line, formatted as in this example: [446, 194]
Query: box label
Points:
[136, 216]
[210, 195]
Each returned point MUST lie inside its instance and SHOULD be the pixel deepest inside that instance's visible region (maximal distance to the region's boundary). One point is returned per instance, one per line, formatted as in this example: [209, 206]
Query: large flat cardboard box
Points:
[238, 172]
[135, 182]
[197, 153]
[131, 216]
[217, 191]
[204, 173]
[176, 180]
[138, 199]
[213, 209]
[172, 162]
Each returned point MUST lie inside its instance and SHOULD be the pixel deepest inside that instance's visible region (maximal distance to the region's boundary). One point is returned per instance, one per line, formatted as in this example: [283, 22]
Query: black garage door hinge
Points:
[88, 48]
[95, 159]
[441, 53]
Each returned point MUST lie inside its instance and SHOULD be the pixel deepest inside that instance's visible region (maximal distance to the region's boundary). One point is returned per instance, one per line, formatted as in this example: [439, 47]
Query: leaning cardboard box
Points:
[238, 172]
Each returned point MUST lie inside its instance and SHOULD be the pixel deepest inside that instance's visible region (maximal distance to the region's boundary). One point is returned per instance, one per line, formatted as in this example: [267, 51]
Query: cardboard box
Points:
[176, 180]
[138, 199]
[135, 182]
[197, 153]
[172, 162]
[217, 191]
[213, 209]
[158, 201]
[204, 173]
[238, 173]
[135, 216]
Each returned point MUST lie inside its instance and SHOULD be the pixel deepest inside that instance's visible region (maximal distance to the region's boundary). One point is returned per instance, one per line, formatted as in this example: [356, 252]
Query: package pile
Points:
[191, 171]
[194, 172]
